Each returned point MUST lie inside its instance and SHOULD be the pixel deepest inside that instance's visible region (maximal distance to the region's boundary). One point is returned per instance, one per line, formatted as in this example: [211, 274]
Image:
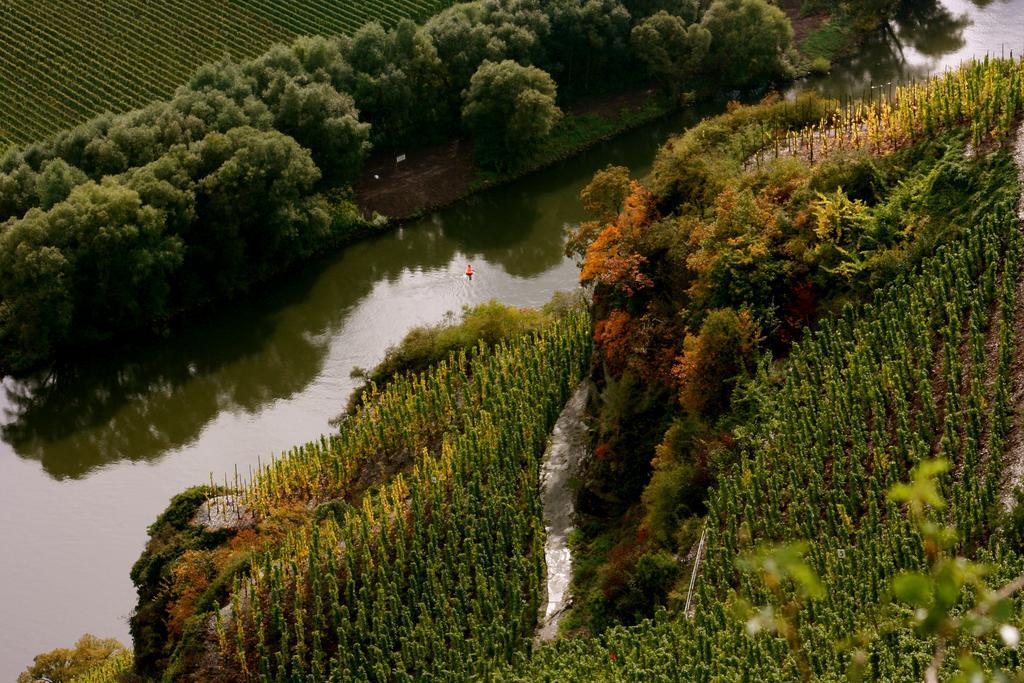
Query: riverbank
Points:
[386, 191]
[443, 174]
[820, 38]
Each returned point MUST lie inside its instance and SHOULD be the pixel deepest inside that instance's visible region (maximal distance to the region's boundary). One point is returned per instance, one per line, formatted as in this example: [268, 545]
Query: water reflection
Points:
[149, 401]
[500, 240]
[929, 28]
[141, 403]
[910, 48]
[144, 402]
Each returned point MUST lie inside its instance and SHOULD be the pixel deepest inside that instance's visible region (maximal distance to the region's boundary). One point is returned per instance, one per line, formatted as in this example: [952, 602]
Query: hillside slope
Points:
[890, 310]
[820, 561]
[63, 62]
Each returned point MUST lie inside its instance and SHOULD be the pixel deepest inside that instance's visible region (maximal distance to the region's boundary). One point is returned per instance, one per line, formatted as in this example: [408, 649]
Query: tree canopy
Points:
[64, 664]
[749, 41]
[671, 51]
[510, 109]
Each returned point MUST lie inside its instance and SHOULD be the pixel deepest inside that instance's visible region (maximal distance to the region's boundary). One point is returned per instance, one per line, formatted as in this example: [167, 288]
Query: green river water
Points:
[90, 456]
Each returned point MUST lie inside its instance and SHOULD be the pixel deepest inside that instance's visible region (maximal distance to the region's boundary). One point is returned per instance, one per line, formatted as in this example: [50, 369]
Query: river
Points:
[90, 456]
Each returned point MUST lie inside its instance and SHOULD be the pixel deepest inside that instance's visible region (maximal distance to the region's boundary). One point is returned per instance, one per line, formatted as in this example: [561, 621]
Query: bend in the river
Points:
[91, 455]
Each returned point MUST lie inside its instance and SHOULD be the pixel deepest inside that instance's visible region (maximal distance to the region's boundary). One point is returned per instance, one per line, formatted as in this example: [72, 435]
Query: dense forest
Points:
[798, 340]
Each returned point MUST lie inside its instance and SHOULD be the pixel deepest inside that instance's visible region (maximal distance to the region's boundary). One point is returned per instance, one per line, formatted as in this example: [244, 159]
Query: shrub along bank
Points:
[488, 324]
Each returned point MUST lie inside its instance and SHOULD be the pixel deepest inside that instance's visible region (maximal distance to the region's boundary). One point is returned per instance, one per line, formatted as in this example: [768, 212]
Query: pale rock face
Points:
[224, 512]
[567, 447]
[1013, 458]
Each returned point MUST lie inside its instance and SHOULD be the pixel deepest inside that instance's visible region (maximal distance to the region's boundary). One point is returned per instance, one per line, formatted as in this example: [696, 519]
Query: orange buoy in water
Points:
[469, 271]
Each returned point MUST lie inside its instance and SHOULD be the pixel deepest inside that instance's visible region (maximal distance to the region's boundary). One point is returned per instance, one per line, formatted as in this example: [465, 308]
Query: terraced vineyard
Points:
[108, 671]
[62, 62]
[928, 370]
[925, 371]
[436, 571]
[438, 575]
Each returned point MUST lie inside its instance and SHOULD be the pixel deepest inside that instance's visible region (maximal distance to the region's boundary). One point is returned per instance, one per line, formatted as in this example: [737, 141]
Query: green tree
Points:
[713, 361]
[671, 51]
[98, 262]
[56, 180]
[326, 122]
[305, 86]
[603, 200]
[648, 586]
[605, 196]
[35, 301]
[122, 256]
[64, 664]
[324, 59]
[253, 192]
[368, 52]
[226, 77]
[462, 43]
[589, 39]
[510, 109]
[399, 83]
[168, 184]
[112, 146]
[520, 30]
[688, 10]
[749, 40]
[18, 190]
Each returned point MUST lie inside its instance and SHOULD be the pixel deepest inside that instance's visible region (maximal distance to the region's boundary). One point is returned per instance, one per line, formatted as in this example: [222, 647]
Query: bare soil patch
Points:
[803, 26]
[438, 175]
[429, 178]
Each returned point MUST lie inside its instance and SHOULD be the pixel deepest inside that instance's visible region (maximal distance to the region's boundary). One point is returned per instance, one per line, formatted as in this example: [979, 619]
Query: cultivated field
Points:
[62, 61]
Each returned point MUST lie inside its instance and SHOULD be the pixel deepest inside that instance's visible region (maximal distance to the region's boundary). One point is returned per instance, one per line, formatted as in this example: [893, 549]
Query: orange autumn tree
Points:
[712, 361]
[603, 199]
[611, 259]
[735, 255]
[612, 339]
[645, 345]
[639, 339]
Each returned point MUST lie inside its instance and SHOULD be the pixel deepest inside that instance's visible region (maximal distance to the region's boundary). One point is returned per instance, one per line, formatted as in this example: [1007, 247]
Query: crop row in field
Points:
[63, 62]
[924, 372]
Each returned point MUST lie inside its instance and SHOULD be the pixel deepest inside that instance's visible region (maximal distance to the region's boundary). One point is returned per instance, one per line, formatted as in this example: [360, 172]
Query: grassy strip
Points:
[575, 134]
[833, 40]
